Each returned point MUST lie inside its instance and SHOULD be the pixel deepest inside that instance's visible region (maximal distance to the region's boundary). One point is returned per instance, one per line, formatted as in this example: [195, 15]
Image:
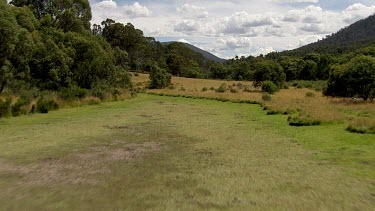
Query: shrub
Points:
[212, 88]
[44, 105]
[5, 107]
[240, 85]
[299, 121]
[222, 88]
[266, 97]
[270, 87]
[204, 89]
[310, 94]
[232, 90]
[17, 107]
[73, 92]
[159, 78]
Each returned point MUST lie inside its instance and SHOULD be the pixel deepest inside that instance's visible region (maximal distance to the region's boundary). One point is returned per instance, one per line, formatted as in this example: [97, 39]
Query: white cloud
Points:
[235, 42]
[296, 1]
[309, 39]
[357, 12]
[183, 41]
[136, 10]
[241, 27]
[192, 11]
[105, 5]
[263, 50]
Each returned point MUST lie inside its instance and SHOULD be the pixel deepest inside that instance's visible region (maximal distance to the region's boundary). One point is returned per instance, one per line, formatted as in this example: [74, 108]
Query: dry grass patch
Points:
[78, 168]
[303, 103]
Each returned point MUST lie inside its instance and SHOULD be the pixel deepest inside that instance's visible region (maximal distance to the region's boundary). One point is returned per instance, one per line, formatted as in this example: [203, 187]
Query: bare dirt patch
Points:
[82, 168]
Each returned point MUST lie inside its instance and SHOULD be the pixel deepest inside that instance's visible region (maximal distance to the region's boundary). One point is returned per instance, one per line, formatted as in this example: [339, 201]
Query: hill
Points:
[205, 54]
[358, 35]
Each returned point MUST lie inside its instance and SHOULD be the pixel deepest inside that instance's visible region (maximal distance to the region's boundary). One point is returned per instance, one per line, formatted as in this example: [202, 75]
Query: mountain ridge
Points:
[206, 54]
[357, 35]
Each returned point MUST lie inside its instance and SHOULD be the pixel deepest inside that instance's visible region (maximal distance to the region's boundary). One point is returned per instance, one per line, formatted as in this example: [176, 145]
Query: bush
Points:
[310, 94]
[266, 97]
[204, 89]
[17, 107]
[314, 85]
[159, 78]
[5, 107]
[222, 88]
[270, 87]
[232, 90]
[299, 121]
[73, 92]
[44, 105]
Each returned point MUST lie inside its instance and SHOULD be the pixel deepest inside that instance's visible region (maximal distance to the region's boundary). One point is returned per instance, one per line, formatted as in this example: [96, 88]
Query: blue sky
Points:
[236, 27]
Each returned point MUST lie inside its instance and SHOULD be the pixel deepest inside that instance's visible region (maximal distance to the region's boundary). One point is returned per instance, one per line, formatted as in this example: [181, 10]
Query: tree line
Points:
[50, 45]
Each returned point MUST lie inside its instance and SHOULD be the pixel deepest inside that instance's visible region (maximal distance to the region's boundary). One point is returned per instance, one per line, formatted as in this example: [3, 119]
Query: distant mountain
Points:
[358, 35]
[206, 54]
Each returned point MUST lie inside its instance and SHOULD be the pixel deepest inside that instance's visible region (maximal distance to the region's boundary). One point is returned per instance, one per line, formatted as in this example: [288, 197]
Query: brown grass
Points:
[78, 168]
[293, 100]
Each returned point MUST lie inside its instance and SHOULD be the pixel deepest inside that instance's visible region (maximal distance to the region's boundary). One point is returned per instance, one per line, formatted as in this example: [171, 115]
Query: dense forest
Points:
[51, 46]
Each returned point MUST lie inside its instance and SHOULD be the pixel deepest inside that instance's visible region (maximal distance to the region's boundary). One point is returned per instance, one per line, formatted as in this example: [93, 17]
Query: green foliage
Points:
[222, 88]
[159, 78]
[266, 70]
[18, 107]
[73, 92]
[5, 107]
[302, 121]
[356, 78]
[314, 85]
[46, 104]
[310, 94]
[270, 87]
[266, 97]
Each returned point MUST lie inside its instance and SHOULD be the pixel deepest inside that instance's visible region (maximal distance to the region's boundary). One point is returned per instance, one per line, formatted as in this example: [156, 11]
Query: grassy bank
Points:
[161, 153]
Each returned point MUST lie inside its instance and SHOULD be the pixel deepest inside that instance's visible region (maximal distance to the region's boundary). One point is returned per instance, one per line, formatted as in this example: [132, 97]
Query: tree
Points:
[356, 78]
[241, 71]
[68, 15]
[266, 70]
[218, 71]
[290, 66]
[9, 30]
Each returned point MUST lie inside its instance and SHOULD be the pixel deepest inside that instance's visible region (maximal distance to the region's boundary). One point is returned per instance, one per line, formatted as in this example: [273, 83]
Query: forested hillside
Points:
[206, 54]
[358, 35]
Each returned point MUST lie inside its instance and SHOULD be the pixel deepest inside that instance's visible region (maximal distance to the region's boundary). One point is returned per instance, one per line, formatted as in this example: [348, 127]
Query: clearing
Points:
[168, 153]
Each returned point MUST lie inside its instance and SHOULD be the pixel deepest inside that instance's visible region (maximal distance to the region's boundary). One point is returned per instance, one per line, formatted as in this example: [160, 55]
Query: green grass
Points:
[164, 153]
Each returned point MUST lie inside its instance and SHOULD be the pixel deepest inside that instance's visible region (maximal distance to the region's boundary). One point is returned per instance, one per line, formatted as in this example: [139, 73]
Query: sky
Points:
[236, 27]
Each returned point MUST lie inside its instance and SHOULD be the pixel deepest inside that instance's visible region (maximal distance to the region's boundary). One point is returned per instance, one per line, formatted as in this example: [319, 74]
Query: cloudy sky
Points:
[236, 27]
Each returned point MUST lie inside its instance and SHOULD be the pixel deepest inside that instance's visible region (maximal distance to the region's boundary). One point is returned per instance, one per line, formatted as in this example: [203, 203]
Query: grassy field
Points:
[165, 153]
[303, 103]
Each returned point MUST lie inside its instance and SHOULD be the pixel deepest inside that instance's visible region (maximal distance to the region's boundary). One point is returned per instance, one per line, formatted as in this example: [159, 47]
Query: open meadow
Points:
[302, 104]
[169, 153]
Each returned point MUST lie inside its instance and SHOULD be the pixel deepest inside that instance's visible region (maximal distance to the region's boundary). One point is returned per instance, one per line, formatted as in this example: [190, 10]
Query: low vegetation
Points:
[302, 104]
[145, 153]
